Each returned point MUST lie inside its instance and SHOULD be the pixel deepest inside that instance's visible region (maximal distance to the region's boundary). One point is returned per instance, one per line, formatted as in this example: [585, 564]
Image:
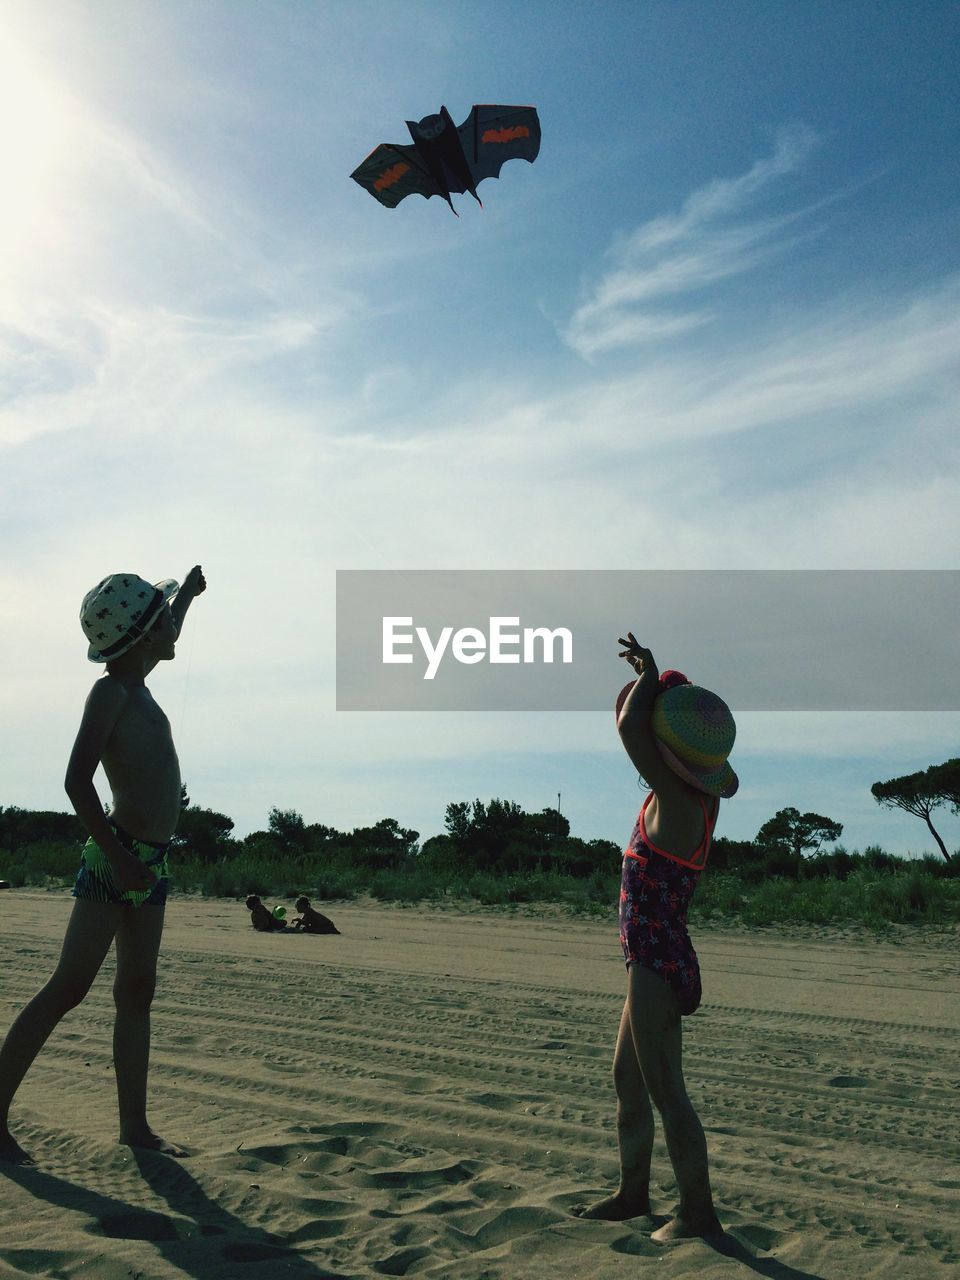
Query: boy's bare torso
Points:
[141, 765]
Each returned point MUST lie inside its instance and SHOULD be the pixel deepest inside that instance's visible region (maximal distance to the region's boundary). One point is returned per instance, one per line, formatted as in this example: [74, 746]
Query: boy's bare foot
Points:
[617, 1208]
[147, 1140]
[681, 1228]
[12, 1152]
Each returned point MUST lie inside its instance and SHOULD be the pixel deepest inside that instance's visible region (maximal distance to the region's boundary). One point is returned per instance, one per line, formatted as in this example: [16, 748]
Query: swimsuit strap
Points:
[698, 859]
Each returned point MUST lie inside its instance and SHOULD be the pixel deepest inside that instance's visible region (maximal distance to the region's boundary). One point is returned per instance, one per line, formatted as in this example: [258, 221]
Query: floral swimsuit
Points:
[655, 892]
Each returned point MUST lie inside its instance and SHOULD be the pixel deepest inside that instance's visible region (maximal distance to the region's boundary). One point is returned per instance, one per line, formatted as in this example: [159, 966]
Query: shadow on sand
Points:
[731, 1247]
[186, 1240]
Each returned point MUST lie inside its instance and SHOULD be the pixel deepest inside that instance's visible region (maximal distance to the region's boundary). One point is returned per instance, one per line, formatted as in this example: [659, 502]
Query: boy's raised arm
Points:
[193, 585]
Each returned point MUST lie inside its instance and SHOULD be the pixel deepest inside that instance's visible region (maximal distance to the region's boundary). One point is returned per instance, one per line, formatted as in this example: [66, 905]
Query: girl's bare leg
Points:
[634, 1134]
[89, 933]
[655, 1024]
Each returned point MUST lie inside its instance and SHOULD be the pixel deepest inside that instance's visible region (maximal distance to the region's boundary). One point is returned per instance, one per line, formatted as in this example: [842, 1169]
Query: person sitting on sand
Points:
[121, 886]
[311, 921]
[262, 919]
[678, 737]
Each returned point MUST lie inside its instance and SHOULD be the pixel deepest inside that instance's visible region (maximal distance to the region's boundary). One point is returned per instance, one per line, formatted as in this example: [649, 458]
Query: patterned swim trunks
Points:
[94, 881]
[654, 895]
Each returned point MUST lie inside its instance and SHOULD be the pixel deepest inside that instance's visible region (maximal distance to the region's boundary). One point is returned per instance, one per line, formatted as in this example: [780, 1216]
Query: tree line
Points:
[500, 837]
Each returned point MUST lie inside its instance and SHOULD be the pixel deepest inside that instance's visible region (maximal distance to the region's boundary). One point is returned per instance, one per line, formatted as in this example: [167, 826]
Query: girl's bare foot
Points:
[147, 1140]
[12, 1152]
[618, 1208]
[681, 1228]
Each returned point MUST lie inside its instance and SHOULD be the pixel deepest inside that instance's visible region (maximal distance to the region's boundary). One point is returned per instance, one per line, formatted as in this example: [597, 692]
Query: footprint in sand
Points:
[347, 1128]
[278, 1154]
[418, 1179]
[331, 1153]
[317, 1227]
[758, 1239]
[399, 1263]
[510, 1102]
[508, 1224]
[283, 1068]
[44, 1262]
[637, 1246]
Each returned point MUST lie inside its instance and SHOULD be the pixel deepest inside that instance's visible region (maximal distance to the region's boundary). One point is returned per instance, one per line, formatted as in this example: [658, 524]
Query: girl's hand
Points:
[639, 658]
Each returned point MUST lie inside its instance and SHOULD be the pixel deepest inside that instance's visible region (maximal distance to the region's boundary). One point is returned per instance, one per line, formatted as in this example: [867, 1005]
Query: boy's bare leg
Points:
[655, 1023]
[138, 944]
[87, 940]
[634, 1134]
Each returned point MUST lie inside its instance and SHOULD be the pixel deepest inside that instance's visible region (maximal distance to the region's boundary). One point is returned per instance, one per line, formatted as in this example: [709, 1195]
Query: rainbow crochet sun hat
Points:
[694, 731]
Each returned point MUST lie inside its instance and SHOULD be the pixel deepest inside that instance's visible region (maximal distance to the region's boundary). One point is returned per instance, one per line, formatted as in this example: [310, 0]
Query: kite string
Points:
[186, 688]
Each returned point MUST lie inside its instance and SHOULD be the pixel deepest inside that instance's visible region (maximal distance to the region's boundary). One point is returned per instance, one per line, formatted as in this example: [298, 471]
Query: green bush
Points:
[719, 892]
[15, 873]
[330, 882]
[404, 886]
[486, 888]
[873, 895]
[873, 888]
[784, 901]
[42, 862]
[280, 876]
[216, 881]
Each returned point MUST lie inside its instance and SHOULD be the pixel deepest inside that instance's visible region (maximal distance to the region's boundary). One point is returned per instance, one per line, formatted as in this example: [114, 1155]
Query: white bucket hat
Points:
[118, 610]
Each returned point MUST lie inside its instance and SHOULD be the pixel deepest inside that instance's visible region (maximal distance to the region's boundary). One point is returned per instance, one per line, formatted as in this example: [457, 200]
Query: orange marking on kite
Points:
[506, 135]
[391, 175]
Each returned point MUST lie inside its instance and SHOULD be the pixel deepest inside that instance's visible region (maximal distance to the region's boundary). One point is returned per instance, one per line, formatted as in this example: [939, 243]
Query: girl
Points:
[311, 921]
[678, 737]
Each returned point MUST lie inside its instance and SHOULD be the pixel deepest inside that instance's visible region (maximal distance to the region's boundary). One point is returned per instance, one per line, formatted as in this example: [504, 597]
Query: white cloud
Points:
[684, 253]
[894, 361]
[132, 369]
[129, 282]
[729, 195]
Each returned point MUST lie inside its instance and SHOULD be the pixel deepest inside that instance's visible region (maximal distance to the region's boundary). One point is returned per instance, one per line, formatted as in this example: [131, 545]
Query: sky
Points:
[716, 325]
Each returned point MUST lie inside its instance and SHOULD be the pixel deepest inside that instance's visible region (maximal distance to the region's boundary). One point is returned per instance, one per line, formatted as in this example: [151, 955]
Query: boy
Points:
[121, 887]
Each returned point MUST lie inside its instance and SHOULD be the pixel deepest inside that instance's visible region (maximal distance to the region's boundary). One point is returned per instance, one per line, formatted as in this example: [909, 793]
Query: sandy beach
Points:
[429, 1095]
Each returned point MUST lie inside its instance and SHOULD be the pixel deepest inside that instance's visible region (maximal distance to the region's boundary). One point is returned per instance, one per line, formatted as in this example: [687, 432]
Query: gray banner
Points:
[546, 640]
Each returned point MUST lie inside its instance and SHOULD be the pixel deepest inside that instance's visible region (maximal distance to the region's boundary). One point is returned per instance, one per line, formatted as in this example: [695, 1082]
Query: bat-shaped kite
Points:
[445, 159]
